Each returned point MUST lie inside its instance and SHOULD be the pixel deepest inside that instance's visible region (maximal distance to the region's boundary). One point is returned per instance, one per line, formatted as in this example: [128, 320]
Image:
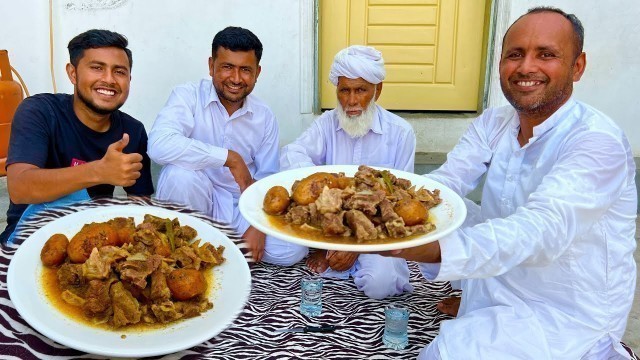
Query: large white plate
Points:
[232, 286]
[449, 215]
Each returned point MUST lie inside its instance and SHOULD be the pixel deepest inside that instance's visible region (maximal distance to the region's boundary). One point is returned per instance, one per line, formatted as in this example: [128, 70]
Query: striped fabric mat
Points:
[273, 304]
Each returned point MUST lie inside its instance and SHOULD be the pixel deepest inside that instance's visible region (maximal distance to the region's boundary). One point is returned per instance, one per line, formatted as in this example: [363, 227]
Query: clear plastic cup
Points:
[396, 320]
[311, 296]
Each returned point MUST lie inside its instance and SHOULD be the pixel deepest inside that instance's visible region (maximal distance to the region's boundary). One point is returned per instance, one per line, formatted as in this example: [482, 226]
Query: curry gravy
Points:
[279, 222]
[53, 292]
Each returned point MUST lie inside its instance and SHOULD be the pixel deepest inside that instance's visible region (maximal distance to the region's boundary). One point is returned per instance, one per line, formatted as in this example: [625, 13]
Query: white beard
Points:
[356, 126]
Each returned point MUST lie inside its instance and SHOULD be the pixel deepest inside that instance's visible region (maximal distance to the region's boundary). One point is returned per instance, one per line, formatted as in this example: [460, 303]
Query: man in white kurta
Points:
[375, 137]
[548, 271]
[204, 125]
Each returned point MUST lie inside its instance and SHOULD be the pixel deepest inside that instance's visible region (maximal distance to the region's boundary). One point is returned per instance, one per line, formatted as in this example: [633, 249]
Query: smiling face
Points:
[539, 64]
[101, 81]
[234, 75]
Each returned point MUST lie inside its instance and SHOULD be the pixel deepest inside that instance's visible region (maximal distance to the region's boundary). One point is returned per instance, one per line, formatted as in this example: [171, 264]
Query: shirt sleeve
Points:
[469, 159]
[169, 141]
[266, 160]
[589, 175]
[30, 135]
[307, 150]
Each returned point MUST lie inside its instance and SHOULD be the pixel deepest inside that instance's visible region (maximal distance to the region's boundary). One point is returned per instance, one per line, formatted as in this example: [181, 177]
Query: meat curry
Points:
[117, 274]
[373, 206]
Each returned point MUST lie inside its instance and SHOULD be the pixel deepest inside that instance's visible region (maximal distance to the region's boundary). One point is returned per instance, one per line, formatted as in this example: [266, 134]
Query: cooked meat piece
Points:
[70, 275]
[193, 308]
[396, 228]
[165, 311]
[386, 211]
[420, 229]
[136, 271]
[98, 266]
[186, 283]
[428, 198]
[54, 250]
[315, 217]
[361, 225]
[276, 201]
[329, 201]
[159, 288]
[365, 175]
[186, 233]
[402, 183]
[333, 225]
[187, 257]
[98, 301]
[155, 240]
[159, 223]
[71, 298]
[126, 309]
[298, 215]
[400, 194]
[209, 254]
[365, 201]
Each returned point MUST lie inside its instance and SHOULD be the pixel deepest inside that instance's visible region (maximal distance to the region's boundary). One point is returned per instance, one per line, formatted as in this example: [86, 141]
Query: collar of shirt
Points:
[213, 98]
[376, 124]
[550, 123]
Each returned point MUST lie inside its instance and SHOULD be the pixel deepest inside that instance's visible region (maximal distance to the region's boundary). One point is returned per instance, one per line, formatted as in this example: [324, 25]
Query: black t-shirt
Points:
[46, 132]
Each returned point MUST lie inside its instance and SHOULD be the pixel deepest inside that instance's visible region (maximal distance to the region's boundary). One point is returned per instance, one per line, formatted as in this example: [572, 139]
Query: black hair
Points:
[578, 30]
[94, 39]
[236, 39]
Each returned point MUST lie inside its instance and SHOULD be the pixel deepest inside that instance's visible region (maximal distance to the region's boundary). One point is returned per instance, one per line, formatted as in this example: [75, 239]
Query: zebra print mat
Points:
[273, 304]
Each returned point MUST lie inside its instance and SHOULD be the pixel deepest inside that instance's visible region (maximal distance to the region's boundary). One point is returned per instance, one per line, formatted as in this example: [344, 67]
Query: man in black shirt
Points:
[75, 146]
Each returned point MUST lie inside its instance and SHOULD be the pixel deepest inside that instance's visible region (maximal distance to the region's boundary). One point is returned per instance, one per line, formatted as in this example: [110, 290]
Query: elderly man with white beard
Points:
[357, 132]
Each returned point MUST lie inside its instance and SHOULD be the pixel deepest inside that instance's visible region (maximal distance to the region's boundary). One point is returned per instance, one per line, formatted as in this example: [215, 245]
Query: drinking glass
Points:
[311, 296]
[396, 320]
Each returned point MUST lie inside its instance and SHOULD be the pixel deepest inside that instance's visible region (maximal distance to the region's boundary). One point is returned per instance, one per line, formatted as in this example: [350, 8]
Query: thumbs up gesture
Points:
[117, 168]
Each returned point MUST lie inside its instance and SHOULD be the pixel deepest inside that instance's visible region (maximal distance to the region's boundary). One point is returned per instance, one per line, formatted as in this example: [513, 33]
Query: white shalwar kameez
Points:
[191, 137]
[550, 272]
[390, 143]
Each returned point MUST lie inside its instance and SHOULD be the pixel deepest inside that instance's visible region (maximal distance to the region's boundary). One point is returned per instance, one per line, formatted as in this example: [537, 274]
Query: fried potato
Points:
[343, 182]
[186, 283]
[92, 235]
[276, 201]
[54, 250]
[124, 227]
[308, 189]
[411, 211]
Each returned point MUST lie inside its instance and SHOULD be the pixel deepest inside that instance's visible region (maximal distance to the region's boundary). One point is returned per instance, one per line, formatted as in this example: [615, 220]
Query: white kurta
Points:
[550, 272]
[193, 131]
[390, 143]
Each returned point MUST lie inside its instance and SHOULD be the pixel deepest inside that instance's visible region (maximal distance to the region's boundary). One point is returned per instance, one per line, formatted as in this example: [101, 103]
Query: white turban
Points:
[358, 61]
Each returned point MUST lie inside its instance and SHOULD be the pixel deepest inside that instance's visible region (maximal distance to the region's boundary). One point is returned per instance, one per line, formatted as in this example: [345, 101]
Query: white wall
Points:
[171, 41]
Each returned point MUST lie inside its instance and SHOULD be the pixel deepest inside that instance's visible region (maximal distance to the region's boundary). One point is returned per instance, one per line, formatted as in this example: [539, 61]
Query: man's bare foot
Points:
[317, 261]
[449, 306]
